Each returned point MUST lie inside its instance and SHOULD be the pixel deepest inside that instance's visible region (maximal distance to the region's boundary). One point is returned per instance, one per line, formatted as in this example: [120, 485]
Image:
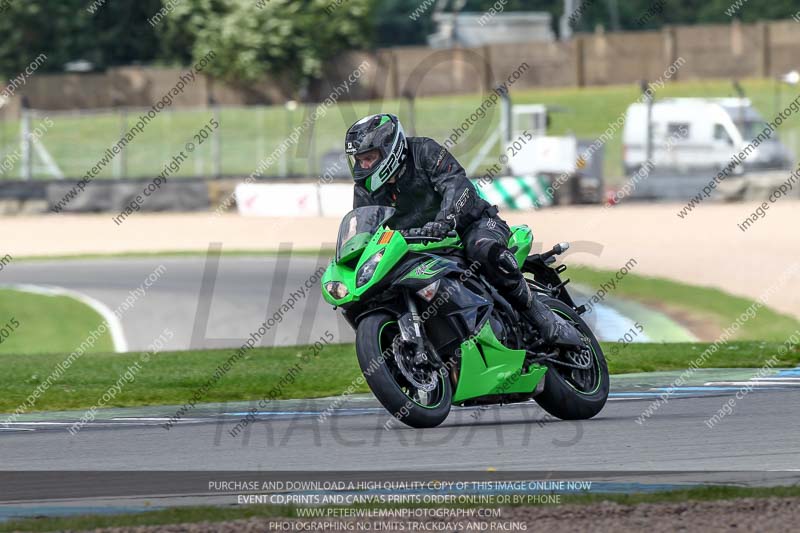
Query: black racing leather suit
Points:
[434, 187]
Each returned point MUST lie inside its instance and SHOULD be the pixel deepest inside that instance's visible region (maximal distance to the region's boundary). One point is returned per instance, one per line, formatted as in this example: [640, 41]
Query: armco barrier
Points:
[180, 194]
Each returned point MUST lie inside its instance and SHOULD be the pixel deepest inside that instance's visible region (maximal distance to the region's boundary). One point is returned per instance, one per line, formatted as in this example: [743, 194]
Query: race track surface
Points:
[126, 460]
[290, 435]
[206, 301]
[216, 302]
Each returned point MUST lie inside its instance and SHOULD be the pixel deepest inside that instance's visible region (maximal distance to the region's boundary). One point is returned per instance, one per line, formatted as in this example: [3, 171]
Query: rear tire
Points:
[560, 397]
[374, 337]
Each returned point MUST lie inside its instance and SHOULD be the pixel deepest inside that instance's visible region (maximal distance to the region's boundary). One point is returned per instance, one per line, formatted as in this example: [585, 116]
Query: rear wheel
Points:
[414, 395]
[576, 384]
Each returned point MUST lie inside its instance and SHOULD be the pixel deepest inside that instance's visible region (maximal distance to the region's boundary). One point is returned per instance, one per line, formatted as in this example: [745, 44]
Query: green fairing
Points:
[522, 238]
[449, 242]
[395, 249]
[425, 270]
[500, 374]
[354, 246]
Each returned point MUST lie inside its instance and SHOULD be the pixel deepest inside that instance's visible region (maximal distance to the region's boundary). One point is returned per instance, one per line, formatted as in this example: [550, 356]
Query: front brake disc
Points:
[420, 379]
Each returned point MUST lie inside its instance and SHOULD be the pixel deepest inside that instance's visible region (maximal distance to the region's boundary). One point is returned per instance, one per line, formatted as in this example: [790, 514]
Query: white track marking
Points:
[759, 383]
[114, 324]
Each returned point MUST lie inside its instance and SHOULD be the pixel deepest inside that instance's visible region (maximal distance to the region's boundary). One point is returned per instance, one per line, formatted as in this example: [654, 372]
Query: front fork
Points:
[412, 333]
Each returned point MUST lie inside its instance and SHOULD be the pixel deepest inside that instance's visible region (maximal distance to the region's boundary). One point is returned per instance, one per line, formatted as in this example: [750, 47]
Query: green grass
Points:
[250, 134]
[177, 515]
[219, 514]
[652, 357]
[37, 323]
[171, 378]
[702, 303]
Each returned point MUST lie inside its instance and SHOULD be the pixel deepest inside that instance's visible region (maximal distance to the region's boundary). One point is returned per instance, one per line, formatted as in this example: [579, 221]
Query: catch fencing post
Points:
[26, 170]
[216, 141]
[120, 163]
[412, 116]
[649, 139]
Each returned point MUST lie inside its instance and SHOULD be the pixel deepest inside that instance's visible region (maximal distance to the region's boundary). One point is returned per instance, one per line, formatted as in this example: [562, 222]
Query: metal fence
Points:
[212, 141]
[58, 144]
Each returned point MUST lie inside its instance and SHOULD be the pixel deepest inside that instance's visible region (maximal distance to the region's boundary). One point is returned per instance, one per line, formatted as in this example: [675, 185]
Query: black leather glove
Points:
[436, 229]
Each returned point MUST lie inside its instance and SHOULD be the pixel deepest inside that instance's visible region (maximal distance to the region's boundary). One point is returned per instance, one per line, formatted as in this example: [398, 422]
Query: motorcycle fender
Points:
[393, 309]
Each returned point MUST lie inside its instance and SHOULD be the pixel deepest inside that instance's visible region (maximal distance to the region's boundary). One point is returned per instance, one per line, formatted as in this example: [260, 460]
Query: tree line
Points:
[292, 38]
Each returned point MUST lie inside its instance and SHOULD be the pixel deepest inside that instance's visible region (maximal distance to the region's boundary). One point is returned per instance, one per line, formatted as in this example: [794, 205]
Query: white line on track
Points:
[114, 324]
[140, 419]
[759, 383]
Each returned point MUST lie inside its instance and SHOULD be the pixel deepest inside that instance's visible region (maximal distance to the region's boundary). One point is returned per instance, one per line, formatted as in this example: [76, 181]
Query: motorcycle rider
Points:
[431, 194]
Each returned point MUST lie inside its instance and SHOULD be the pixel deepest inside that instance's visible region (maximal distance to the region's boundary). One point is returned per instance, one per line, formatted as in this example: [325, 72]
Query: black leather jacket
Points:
[433, 187]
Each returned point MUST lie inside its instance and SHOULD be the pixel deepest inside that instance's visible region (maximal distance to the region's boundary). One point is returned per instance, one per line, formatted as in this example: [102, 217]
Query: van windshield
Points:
[751, 129]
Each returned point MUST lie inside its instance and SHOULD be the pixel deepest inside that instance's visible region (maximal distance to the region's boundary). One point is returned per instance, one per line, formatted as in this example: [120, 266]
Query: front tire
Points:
[374, 337]
[563, 396]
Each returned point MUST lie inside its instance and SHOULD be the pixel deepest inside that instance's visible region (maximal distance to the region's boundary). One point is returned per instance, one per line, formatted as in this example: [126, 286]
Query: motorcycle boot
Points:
[553, 328]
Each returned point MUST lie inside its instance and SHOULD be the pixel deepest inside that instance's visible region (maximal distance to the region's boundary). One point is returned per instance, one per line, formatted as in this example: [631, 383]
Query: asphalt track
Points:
[206, 301]
[760, 434]
[215, 304]
[147, 466]
[217, 301]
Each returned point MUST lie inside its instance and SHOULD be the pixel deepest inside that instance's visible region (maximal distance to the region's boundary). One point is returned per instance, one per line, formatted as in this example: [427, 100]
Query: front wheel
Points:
[418, 398]
[570, 392]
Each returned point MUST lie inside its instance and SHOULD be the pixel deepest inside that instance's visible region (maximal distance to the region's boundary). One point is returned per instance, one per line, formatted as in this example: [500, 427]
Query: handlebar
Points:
[558, 249]
[420, 238]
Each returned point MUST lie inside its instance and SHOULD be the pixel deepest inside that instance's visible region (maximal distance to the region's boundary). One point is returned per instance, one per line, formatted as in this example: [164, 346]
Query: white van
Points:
[698, 134]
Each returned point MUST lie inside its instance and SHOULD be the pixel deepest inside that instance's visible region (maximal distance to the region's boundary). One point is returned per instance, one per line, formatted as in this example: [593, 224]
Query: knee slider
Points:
[502, 258]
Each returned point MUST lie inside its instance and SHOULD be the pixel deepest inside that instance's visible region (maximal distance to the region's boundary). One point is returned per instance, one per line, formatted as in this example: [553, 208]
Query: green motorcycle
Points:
[432, 332]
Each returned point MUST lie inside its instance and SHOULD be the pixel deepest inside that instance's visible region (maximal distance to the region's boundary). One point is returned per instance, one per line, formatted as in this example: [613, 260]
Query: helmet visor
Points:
[365, 163]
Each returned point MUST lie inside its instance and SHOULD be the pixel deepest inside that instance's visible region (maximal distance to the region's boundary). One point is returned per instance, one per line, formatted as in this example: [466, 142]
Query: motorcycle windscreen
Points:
[357, 228]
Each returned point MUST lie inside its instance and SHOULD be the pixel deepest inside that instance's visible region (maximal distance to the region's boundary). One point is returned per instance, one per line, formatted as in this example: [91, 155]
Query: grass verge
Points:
[220, 514]
[703, 304]
[39, 323]
[171, 378]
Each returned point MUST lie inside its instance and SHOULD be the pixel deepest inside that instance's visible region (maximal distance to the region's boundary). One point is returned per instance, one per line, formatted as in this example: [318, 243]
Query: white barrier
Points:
[294, 199]
[336, 199]
[277, 200]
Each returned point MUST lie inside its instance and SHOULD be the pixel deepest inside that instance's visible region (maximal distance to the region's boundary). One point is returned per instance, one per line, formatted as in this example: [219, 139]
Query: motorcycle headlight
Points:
[429, 291]
[368, 269]
[336, 289]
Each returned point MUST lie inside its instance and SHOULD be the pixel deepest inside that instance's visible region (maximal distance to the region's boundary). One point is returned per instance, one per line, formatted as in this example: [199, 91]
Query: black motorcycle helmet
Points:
[381, 132]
